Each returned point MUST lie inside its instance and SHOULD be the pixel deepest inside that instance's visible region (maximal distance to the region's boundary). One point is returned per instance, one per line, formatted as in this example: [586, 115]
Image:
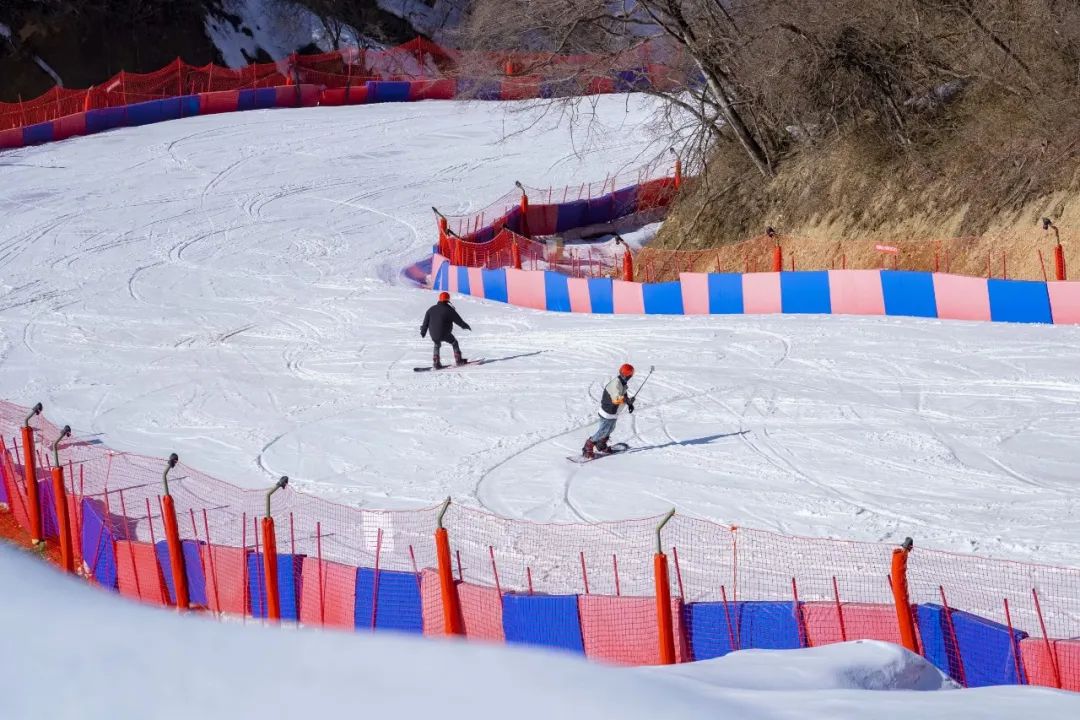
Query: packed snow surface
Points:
[118, 659]
[228, 287]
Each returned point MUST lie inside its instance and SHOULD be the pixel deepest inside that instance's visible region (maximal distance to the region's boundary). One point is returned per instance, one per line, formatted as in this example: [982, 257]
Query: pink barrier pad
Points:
[436, 262]
[476, 282]
[219, 102]
[525, 288]
[622, 630]
[431, 603]
[1064, 300]
[695, 293]
[761, 293]
[69, 126]
[628, 298]
[331, 604]
[11, 138]
[961, 298]
[452, 279]
[481, 608]
[861, 621]
[580, 301]
[432, 89]
[137, 573]
[309, 95]
[856, 292]
[225, 569]
[1040, 670]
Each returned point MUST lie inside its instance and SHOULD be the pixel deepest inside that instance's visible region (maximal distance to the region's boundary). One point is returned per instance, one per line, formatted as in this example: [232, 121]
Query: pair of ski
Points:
[480, 361]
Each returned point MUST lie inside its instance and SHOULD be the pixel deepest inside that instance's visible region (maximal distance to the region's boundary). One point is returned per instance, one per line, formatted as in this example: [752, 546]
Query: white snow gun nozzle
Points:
[663, 522]
[173, 459]
[36, 410]
[55, 446]
[281, 483]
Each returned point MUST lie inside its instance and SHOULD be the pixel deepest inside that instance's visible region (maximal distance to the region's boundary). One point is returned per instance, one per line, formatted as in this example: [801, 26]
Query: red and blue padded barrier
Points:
[971, 649]
[196, 580]
[545, 620]
[138, 574]
[289, 581]
[830, 622]
[328, 594]
[623, 630]
[97, 543]
[396, 606]
[714, 626]
[837, 292]
[481, 609]
[1051, 663]
[225, 572]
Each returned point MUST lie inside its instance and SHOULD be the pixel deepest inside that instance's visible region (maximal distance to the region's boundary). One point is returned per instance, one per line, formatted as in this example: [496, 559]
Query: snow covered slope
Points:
[74, 652]
[228, 287]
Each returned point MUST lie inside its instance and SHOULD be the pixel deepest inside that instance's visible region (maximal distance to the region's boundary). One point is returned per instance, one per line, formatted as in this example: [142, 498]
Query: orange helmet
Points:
[627, 370]
[444, 297]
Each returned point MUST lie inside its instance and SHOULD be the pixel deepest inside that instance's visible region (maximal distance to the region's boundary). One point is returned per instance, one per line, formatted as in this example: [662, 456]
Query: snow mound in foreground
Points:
[118, 659]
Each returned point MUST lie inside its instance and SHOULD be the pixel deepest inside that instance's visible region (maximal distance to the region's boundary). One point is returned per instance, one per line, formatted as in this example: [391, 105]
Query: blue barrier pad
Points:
[909, 293]
[601, 295]
[288, 568]
[557, 290]
[463, 281]
[495, 285]
[560, 88]
[632, 80]
[982, 654]
[172, 108]
[380, 91]
[624, 202]
[97, 543]
[725, 294]
[571, 215]
[663, 298]
[37, 134]
[755, 624]
[257, 99]
[189, 105]
[105, 119]
[513, 220]
[193, 568]
[398, 607]
[50, 525]
[442, 278]
[3, 490]
[484, 235]
[805, 292]
[146, 113]
[600, 210]
[546, 620]
[1025, 301]
[479, 89]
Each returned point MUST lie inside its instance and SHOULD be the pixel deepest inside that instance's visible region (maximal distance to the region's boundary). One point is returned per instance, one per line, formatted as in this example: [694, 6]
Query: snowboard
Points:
[615, 450]
[479, 361]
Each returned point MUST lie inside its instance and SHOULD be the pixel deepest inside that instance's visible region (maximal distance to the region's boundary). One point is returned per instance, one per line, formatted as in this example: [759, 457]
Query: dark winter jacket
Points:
[440, 320]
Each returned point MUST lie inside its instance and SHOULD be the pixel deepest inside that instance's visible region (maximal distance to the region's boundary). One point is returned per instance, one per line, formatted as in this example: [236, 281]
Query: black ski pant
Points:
[450, 340]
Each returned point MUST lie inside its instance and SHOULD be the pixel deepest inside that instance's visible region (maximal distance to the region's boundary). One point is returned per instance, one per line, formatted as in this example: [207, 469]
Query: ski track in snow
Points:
[228, 287]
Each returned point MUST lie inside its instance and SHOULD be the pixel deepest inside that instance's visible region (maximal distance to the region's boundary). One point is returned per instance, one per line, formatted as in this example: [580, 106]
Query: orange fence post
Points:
[1060, 272]
[524, 211]
[33, 502]
[515, 253]
[664, 620]
[777, 258]
[627, 261]
[67, 557]
[270, 564]
[172, 539]
[450, 602]
[901, 598]
[678, 173]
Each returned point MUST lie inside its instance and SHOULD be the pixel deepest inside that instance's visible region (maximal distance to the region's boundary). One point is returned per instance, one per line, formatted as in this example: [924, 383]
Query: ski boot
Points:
[589, 451]
[435, 362]
[458, 360]
[602, 447]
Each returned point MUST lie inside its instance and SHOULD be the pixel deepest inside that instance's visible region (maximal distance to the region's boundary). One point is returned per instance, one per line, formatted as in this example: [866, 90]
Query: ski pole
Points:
[651, 368]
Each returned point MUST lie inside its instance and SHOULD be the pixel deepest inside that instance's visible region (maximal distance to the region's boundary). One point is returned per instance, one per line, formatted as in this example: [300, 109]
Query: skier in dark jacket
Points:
[615, 398]
[440, 320]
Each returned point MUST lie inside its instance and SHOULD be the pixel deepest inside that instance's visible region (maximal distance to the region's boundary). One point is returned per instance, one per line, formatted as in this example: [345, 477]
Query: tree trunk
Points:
[746, 139]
